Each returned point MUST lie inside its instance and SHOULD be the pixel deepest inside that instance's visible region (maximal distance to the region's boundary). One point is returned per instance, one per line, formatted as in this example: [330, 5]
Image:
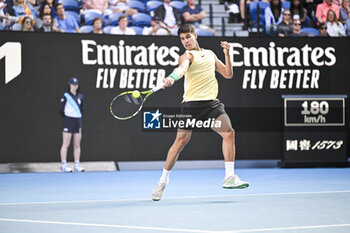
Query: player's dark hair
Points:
[186, 28]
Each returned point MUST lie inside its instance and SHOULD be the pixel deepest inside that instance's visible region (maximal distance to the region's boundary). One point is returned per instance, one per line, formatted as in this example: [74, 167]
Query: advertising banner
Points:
[35, 69]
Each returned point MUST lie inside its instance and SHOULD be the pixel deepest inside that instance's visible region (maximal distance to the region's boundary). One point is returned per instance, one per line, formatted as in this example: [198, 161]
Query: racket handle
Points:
[157, 88]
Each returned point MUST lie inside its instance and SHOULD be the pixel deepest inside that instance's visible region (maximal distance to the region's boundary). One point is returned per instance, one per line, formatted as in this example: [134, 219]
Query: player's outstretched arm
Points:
[226, 69]
[184, 62]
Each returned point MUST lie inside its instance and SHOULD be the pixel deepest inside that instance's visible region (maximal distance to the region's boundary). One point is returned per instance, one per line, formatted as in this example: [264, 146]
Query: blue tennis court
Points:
[278, 200]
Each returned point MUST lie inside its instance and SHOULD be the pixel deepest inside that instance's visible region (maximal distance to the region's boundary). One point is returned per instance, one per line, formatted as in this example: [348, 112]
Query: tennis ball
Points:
[136, 94]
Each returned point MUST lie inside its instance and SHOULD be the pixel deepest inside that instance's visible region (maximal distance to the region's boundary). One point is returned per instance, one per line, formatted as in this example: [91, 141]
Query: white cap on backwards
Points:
[296, 17]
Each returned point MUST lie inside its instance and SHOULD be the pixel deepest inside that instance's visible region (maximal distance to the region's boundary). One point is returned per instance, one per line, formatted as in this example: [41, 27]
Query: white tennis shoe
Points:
[234, 182]
[65, 168]
[78, 168]
[158, 190]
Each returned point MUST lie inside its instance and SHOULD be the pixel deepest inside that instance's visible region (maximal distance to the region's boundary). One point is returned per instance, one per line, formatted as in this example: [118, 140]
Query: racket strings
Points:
[126, 105]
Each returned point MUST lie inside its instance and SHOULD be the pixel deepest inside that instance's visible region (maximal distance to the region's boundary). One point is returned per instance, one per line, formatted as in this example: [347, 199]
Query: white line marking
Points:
[174, 198]
[173, 229]
[107, 225]
[287, 228]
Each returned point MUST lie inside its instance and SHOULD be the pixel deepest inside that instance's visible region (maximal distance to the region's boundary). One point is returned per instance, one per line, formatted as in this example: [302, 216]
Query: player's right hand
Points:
[167, 82]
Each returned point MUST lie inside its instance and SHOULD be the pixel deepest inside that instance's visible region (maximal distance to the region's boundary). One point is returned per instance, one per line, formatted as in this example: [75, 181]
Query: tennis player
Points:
[198, 65]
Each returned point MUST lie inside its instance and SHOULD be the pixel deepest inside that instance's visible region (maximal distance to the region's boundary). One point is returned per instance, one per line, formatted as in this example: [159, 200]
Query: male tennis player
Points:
[200, 101]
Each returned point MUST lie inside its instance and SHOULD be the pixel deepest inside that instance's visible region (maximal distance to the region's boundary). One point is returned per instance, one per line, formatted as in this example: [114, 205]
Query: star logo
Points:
[156, 115]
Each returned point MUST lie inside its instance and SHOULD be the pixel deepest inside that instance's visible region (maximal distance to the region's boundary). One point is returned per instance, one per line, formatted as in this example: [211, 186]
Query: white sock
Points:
[165, 176]
[76, 163]
[64, 163]
[229, 169]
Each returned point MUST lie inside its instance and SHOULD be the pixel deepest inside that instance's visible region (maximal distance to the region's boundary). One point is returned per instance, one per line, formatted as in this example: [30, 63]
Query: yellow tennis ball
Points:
[136, 94]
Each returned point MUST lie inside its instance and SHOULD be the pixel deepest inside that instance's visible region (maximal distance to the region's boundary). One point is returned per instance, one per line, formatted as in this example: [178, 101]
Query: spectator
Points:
[27, 24]
[169, 15]
[121, 6]
[334, 27]
[322, 28]
[285, 27]
[344, 11]
[347, 27]
[66, 23]
[22, 8]
[44, 10]
[297, 9]
[273, 16]
[97, 24]
[194, 14]
[322, 10]
[98, 6]
[233, 11]
[157, 28]
[310, 6]
[71, 108]
[47, 25]
[52, 4]
[296, 26]
[122, 28]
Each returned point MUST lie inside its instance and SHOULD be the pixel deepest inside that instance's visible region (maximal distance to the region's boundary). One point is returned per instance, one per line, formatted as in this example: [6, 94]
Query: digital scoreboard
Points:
[314, 130]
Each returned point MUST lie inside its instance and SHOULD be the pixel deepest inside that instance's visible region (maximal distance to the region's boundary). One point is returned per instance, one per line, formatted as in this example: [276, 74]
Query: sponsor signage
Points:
[35, 69]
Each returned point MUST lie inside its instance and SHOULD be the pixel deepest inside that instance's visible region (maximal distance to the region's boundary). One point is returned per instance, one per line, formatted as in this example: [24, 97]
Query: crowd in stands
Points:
[162, 17]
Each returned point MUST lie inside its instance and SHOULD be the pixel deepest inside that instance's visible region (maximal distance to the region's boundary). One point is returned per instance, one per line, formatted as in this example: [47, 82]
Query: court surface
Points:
[278, 200]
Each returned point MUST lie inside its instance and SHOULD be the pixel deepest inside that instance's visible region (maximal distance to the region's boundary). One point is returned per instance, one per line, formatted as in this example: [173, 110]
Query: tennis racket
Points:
[128, 104]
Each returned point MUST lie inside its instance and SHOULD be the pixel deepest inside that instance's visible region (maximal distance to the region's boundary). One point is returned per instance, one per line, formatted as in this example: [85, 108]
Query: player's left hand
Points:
[226, 46]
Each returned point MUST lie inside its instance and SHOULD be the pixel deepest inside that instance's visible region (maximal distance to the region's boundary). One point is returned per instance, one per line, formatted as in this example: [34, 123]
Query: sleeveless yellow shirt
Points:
[200, 82]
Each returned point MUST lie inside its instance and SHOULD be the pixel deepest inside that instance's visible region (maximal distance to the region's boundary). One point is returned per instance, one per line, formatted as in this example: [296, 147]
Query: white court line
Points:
[173, 229]
[174, 198]
[107, 225]
[287, 228]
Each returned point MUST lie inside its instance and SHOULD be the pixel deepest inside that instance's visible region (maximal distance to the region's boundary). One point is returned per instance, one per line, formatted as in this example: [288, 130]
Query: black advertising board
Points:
[35, 69]
[314, 130]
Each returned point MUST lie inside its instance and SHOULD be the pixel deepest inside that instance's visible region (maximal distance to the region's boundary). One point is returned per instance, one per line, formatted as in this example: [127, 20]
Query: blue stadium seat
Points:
[286, 4]
[75, 15]
[153, 5]
[107, 29]
[138, 30]
[139, 6]
[70, 5]
[86, 29]
[178, 5]
[203, 32]
[141, 19]
[89, 17]
[253, 7]
[310, 31]
[113, 18]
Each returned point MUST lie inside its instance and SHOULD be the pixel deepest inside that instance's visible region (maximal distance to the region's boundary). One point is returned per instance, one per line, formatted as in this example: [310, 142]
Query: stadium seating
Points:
[107, 29]
[253, 8]
[178, 5]
[138, 30]
[139, 6]
[113, 18]
[86, 29]
[141, 19]
[70, 5]
[310, 31]
[203, 32]
[90, 16]
[285, 4]
[153, 5]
